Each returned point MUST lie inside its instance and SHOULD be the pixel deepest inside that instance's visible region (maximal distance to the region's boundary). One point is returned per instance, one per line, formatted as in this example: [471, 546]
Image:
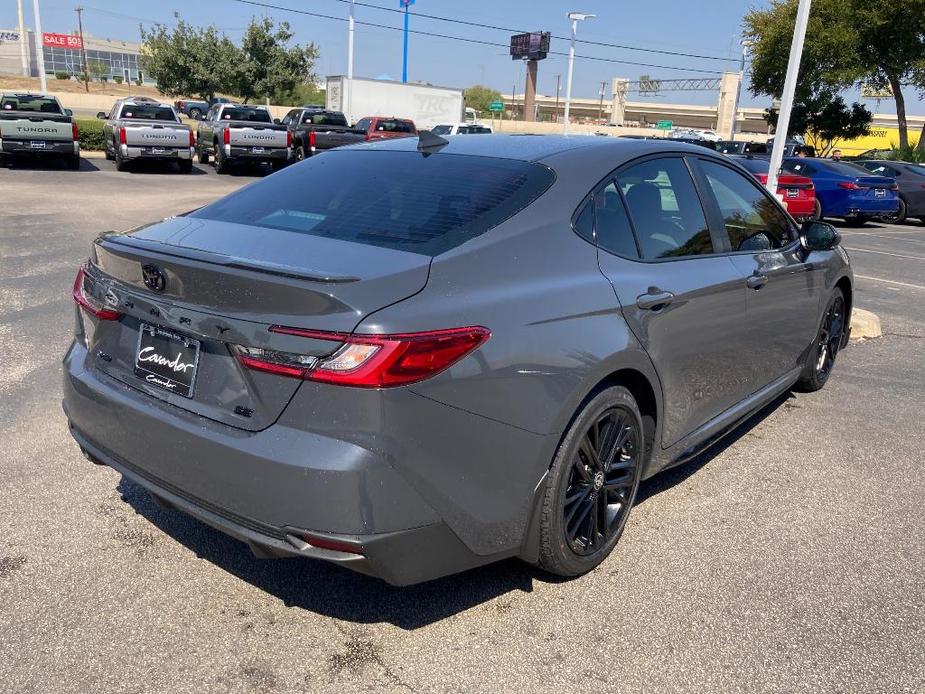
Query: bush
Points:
[91, 134]
[62, 75]
[138, 83]
[118, 79]
[909, 153]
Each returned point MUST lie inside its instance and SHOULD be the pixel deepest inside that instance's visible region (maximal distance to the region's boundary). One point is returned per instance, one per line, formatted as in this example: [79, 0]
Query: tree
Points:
[98, 69]
[269, 66]
[848, 43]
[478, 97]
[189, 61]
[825, 118]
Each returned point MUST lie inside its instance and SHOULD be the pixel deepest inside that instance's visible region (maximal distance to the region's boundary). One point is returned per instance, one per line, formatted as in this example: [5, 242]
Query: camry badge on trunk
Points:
[153, 277]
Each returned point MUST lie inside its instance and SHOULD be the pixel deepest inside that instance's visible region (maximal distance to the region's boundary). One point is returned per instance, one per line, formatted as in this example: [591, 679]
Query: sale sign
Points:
[61, 40]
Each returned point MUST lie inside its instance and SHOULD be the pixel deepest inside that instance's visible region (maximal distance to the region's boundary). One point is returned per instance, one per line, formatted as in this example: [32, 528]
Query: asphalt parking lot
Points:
[790, 559]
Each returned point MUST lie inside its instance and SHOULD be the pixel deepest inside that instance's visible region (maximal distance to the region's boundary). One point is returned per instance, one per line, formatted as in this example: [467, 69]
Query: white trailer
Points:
[426, 105]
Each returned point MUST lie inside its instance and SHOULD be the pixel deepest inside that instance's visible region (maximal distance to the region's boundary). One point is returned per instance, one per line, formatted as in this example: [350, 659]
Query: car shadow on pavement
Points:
[45, 164]
[160, 167]
[336, 592]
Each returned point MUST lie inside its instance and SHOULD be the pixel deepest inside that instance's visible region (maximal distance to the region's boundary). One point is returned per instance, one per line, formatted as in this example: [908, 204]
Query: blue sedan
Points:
[846, 190]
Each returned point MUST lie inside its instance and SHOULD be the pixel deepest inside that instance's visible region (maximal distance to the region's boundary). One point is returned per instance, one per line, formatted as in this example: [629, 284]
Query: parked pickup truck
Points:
[37, 125]
[315, 130]
[146, 130]
[232, 132]
[196, 109]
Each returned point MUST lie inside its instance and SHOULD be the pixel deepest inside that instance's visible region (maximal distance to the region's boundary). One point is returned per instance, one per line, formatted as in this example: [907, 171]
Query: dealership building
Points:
[62, 53]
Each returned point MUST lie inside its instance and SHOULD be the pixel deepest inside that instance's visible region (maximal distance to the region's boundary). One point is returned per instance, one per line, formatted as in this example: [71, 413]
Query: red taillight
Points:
[311, 139]
[226, 136]
[87, 301]
[849, 185]
[192, 139]
[75, 133]
[895, 186]
[122, 139]
[289, 138]
[369, 361]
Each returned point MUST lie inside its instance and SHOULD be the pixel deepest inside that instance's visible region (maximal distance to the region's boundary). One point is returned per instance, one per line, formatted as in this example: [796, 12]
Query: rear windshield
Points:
[33, 104]
[395, 126]
[398, 200]
[442, 129]
[917, 169]
[255, 115]
[846, 169]
[759, 166]
[148, 112]
[325, 119]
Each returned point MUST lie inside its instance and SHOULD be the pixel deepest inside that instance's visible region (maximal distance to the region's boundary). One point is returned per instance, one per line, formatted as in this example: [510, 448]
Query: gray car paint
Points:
[467, 449]
[911, 185]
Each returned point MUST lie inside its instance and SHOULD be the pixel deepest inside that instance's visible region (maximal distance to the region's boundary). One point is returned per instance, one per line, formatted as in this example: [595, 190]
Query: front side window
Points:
[665, 209]
[752, 220]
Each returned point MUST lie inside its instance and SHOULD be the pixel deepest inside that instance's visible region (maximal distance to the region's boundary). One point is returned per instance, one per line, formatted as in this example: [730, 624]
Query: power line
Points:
[481, 25]
[468, 40]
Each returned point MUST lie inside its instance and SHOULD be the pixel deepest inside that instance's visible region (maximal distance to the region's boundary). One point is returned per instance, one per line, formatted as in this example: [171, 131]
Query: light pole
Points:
[575, 17]
[600, 108]
[83, 49]
[350, 26]
[404, 59]
[22, 41]
[786, 104]
[735, 105]
[556, 112]
[39, 46]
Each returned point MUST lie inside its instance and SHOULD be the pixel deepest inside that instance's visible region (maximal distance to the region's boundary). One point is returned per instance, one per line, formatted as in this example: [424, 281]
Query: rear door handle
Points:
[756, 281]
[654, 299]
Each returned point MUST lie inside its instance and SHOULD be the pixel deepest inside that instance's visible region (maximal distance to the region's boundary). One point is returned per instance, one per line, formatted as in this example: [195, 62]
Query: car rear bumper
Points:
[52, 148]
[270, 488]
[869, 207]
[272, 155]
[130, 152]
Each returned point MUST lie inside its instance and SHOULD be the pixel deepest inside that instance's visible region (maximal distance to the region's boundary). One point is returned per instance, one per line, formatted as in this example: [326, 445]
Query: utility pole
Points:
[786, 104]
[735, 105]
[513, 102]
[39, 46]
[404, 59]
[600, 108]
[575, 17]
[83, 50]
[556, 112]
[350, 27]
[22, 41]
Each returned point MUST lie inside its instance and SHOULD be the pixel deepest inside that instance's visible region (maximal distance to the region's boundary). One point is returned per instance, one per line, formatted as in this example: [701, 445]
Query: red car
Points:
[381, 128]
[797, 192]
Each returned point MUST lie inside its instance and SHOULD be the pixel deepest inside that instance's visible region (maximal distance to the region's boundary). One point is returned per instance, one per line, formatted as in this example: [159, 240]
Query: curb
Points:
[865, 325]
[91, 154]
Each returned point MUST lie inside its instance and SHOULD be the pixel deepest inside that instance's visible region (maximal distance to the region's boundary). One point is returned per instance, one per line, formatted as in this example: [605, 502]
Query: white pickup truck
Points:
[37, 125]
[232, 132]
[146, 130]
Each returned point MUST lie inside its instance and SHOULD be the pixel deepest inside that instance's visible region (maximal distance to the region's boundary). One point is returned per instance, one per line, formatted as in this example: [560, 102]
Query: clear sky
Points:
[708, 28]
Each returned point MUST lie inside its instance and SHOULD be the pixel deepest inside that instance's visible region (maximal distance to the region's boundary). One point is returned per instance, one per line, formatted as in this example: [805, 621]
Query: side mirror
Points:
[276, 121]
[68, 112]
[819, 236]
[102, 115]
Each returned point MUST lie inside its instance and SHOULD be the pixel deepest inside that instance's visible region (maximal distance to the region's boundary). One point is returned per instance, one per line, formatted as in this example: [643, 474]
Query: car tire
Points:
[203, 155]
[821, 357]
[108, 153]
[817, 212]
[856, 221]
[121, 164]
[195, 113]
[587, 491]
[299, 153]
[221, 161]
[186, 165]
[901, 213]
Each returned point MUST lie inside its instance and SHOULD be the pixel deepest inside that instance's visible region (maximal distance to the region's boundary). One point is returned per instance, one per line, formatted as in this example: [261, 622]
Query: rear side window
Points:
[30, 104]
[398, 200]
[148, 112]
[752, 220]
[665, 209]
[394, 126]
[255, 115]
[612, 226]
[363, 124]
[798, 167]
[441, 129]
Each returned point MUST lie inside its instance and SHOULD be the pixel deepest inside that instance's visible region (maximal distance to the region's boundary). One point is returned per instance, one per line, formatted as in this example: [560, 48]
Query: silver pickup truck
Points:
[146, 130]
[231, 132]
[37, 125]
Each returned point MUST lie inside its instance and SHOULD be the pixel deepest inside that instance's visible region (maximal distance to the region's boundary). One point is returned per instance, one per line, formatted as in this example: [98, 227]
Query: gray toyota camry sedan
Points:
[413, 357]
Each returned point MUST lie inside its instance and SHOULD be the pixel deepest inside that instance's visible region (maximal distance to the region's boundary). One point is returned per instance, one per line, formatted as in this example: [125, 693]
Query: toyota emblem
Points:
[153, 277]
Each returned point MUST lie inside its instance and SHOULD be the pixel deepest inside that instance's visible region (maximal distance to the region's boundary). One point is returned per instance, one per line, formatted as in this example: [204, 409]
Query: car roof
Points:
[31, 95]
[583, 150]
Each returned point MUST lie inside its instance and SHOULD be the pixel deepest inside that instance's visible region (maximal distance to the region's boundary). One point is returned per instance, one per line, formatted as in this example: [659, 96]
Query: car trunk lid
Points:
[221, 285]
[247, 134]
[146, 134]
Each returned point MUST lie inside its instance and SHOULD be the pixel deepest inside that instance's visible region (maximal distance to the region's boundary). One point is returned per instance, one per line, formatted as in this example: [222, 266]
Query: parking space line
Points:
[848, 232]
[855, 249]
[881, 279]
[891, 238]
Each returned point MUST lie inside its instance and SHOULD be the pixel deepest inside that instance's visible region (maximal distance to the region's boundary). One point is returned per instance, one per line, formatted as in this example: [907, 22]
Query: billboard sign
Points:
[532, 46]
[9, 36]
[61, 41]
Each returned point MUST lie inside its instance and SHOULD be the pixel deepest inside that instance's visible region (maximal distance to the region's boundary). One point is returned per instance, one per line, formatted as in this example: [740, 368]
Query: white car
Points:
[461, 129]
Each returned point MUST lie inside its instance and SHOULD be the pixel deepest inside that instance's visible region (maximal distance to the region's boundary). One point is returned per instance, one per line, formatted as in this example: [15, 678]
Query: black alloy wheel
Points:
[602, 476]
[899, 217]
[821, 359]
[299, 153]
[592, 484]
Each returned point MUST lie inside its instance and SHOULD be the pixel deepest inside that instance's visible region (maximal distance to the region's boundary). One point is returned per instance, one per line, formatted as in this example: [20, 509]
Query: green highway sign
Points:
[664, 125]
[496, 106]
